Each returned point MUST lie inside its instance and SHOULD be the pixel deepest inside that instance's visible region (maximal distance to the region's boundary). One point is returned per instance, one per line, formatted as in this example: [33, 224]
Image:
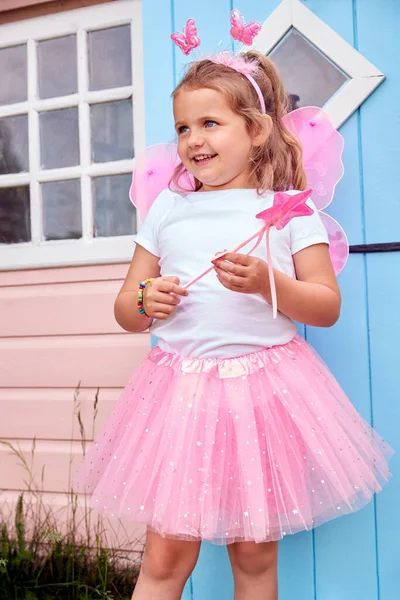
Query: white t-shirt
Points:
[185, 232]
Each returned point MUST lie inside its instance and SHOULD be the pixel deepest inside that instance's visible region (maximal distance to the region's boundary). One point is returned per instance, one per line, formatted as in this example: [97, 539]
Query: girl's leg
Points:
[167, 564]
[254, 568]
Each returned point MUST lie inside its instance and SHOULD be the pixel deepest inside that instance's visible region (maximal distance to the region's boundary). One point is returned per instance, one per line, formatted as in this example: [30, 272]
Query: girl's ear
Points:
[263, 130]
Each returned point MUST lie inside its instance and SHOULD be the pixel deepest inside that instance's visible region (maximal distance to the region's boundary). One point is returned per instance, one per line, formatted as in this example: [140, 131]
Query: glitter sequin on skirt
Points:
[245, 449]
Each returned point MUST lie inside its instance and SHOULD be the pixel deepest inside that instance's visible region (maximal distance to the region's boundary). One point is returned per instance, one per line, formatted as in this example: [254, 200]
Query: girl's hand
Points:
[160, 297]
[243, 273]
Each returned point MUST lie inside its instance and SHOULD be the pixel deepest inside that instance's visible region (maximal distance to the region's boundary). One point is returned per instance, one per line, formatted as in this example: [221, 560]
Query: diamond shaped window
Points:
[317, 65]
[310, 78]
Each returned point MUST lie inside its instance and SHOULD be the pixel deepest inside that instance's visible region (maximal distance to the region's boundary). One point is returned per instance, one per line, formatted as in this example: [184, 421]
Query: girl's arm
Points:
[143, 265]
[313, 298]
[160, 297]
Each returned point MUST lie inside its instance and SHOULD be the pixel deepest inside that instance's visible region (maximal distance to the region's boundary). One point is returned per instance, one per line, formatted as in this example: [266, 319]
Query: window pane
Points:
[310, 77]
[112, 135]
[113, 212]
[110, 58]
[14, 148]
[57, 67]
[15, 215]
[13, 75]
[59, 138]
[62, 216]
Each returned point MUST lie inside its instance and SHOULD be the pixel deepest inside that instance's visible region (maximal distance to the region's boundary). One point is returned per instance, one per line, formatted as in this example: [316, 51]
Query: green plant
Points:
[46, 557]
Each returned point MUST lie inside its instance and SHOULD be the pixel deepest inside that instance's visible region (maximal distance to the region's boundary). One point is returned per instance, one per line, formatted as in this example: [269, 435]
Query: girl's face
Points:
[213, 142]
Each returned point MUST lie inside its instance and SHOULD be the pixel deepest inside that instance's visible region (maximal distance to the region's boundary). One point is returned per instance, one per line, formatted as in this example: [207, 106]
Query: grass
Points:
[48, 556]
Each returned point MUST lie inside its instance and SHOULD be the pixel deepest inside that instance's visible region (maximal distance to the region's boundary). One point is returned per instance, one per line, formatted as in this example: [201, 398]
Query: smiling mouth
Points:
[201, 159]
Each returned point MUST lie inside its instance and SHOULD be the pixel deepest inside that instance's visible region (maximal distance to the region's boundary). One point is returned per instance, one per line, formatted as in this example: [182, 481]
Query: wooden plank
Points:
[63, 362]
[63, 275]
[380, 121]
[50, 463]
[61, 309]
[158, 70]
[384, 335]
[53, 412]
[380, 131]
[212, 577]
[295, 567]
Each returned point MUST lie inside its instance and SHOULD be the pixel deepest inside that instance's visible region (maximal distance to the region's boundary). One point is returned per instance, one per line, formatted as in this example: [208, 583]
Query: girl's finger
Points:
[161, 316]
[162, 309]
[230, 280]
[239, 259]
[164, 285]
[229, 267]
[163, 298]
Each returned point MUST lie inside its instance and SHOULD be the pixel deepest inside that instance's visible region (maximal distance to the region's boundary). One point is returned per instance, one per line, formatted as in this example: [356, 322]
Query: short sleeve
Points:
[307, 231]
[148, 233]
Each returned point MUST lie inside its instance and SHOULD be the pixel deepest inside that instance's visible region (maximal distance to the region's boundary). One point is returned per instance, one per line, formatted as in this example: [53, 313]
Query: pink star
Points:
[285, 207]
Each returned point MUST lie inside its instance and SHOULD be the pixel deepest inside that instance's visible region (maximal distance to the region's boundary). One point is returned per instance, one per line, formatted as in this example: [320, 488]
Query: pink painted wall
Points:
[57, 329]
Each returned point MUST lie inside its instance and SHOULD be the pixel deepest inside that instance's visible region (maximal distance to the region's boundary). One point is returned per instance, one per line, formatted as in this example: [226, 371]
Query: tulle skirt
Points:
[244, 449]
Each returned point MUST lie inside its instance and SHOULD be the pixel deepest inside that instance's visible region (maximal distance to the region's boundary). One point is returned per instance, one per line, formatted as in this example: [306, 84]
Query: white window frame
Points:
[364, 77]
[87, 250]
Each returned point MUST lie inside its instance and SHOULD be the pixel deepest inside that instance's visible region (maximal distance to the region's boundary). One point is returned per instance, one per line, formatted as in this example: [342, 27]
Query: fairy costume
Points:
[232, 429]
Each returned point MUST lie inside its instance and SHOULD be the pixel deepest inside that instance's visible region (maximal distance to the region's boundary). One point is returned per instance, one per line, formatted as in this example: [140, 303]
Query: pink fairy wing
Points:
[152, 173]
[338, 243]
[322, 151]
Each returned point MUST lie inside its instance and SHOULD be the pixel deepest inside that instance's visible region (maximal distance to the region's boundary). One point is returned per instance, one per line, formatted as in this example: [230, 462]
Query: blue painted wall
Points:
[355, 557]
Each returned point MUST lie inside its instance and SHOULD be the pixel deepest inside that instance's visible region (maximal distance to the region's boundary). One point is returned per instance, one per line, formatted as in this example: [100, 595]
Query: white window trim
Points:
[88, 250]
[364, 76]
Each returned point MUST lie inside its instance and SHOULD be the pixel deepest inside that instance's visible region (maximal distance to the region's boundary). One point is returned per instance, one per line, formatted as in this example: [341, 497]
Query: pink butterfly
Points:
[187, 40]
[241, 32]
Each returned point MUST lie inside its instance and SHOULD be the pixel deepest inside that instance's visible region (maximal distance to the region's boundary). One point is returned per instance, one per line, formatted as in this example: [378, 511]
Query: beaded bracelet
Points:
[142, 285]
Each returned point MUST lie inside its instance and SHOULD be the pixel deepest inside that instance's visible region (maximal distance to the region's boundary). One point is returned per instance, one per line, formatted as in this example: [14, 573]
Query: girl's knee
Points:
[169, 559]
[254, 559]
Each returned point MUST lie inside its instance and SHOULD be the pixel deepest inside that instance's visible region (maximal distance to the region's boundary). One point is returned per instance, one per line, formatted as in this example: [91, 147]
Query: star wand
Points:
[285, 207]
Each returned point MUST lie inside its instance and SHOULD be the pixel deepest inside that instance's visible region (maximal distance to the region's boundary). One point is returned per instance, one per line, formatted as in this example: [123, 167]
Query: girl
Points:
[231, 430]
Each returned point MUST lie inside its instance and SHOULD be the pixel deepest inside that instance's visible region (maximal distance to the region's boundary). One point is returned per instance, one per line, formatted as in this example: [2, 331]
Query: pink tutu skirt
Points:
[245, 449]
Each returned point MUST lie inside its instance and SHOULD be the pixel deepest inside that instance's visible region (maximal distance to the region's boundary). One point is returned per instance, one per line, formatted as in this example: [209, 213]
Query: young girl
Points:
[231, 430]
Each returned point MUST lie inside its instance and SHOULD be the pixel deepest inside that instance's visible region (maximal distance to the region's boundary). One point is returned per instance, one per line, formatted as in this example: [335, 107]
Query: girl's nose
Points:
[195, 139]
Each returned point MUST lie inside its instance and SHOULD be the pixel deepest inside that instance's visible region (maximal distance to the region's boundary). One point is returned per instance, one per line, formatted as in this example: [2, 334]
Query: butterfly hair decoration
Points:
[187, 40]
[240, 31]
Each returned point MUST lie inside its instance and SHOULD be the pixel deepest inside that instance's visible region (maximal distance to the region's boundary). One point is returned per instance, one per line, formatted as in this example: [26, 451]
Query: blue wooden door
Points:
[355, 557]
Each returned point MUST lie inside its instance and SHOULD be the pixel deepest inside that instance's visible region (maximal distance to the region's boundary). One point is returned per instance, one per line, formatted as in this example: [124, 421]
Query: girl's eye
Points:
[182, 129]
[210, 123]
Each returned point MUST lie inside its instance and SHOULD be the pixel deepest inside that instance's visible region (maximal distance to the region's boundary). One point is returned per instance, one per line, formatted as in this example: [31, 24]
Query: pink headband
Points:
[188, 40]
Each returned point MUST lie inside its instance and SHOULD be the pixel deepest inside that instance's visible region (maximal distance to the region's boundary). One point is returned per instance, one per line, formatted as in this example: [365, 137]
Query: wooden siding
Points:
[58, 334]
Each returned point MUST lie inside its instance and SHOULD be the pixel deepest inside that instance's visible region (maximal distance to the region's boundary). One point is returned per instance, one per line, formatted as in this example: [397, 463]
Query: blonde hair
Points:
[277, 164]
